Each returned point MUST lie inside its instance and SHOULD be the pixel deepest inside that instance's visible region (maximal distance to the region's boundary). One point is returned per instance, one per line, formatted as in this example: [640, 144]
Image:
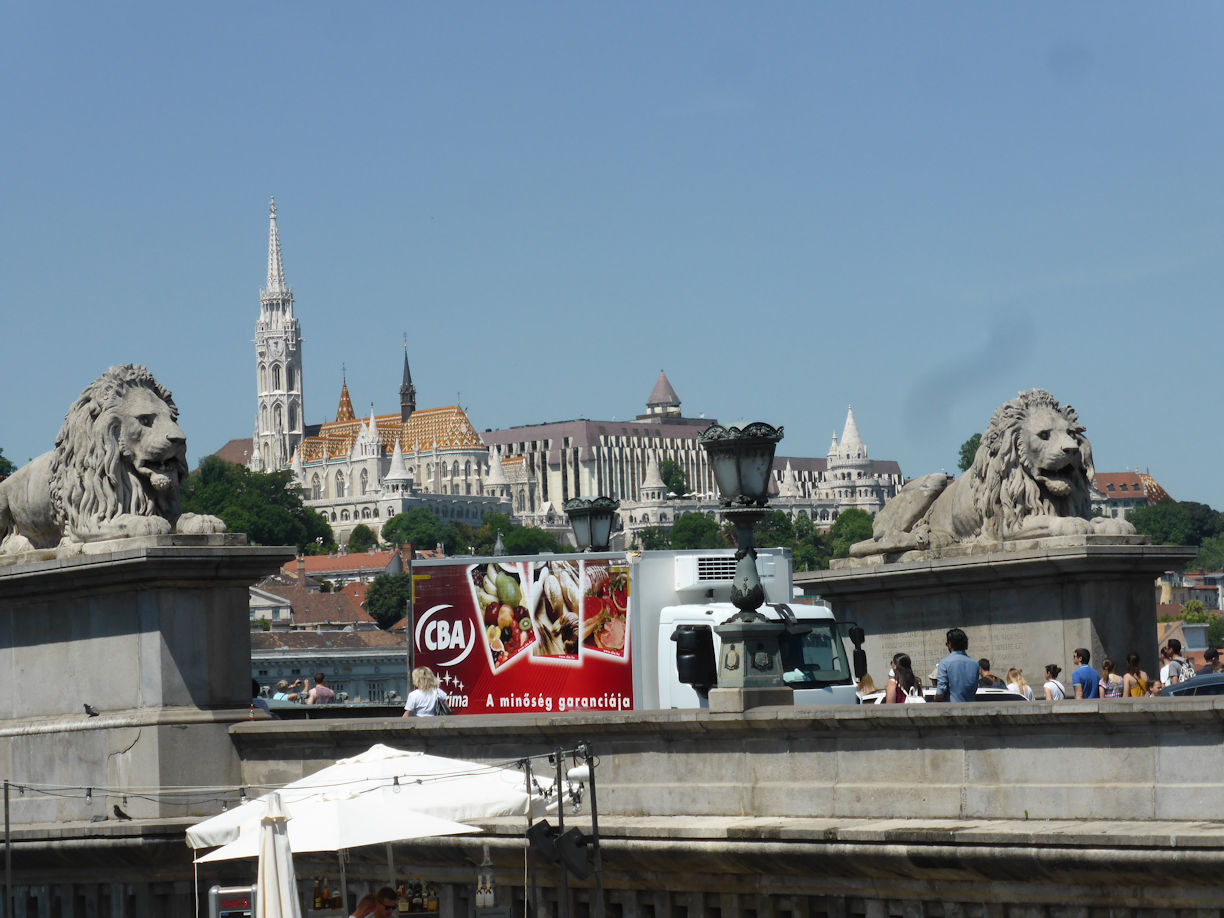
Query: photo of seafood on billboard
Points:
[605, 608]
[498, 591]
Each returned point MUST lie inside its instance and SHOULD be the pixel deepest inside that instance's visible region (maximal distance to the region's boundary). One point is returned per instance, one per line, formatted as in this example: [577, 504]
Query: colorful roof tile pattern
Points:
[427, 429]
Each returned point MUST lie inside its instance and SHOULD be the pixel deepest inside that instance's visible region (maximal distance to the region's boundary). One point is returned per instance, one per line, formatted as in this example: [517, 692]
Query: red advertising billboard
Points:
[526, 636]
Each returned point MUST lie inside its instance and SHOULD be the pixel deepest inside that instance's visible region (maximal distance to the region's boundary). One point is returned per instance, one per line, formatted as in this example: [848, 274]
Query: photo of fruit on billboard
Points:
[523, 636]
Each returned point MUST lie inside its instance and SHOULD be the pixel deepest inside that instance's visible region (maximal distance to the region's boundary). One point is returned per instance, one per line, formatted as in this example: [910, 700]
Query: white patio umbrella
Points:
[451, 789]
[275, 885]
[332, 822]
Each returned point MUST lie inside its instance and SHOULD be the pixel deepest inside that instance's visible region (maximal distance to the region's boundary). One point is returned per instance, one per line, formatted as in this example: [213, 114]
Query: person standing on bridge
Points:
[956, 675]
[1085, 681]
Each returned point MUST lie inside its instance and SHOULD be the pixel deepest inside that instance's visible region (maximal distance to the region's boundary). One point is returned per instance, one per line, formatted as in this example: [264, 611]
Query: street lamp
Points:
[742, 459]
[591, 520]
[750, 662]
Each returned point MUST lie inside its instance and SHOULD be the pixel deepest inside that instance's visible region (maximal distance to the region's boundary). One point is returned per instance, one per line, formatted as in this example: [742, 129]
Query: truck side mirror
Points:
[695, 664]
[857, 636]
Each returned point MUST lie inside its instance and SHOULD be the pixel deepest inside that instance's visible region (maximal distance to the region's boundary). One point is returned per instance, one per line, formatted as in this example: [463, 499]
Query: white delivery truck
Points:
[606, 631]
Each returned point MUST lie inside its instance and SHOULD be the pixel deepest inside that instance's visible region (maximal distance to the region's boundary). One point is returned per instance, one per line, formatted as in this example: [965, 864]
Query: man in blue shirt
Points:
[1085, 680]
[956, 676]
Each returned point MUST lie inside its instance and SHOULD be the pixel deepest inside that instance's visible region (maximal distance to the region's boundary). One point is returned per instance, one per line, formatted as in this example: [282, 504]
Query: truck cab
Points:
[692, 588]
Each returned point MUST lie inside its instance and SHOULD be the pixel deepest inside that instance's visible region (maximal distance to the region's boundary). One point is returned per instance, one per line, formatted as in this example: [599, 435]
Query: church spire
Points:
[276, 268]
[407, 389]
[276, 297]
[344, 411]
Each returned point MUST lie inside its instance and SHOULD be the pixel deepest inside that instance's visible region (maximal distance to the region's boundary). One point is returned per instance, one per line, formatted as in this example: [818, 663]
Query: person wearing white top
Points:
[1018, 684]
[1054, 690]
[423, 699]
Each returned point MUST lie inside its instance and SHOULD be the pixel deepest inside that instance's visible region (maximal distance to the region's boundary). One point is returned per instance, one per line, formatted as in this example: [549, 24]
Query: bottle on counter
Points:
[431, 897]
[402, 905]
[317, 899]
[418, 902]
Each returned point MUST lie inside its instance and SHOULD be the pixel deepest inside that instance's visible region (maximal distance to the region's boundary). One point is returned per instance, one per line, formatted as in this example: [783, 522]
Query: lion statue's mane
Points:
[118, 462]
[1008, 489]
[88, 442]
[1002, 495]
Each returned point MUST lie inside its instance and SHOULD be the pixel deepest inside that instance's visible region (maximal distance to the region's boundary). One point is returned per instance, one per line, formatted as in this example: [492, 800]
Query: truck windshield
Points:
[815, 659]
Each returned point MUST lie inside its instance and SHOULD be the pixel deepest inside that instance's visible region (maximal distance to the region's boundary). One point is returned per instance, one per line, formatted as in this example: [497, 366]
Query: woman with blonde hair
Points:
[1018, 684]
[423, 699]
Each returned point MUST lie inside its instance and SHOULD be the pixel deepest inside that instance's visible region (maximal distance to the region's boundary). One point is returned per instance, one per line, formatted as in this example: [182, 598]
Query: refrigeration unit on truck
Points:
[603, 631]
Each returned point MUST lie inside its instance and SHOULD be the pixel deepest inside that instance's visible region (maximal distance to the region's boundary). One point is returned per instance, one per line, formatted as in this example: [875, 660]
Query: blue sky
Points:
[916, 209]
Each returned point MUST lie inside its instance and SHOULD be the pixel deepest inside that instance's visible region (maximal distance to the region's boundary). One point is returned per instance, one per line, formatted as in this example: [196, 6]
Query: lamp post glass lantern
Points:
[591, 520]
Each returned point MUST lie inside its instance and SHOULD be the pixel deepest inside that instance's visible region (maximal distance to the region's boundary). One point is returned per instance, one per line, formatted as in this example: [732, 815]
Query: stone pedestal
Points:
[1021, 606]
[154, 635]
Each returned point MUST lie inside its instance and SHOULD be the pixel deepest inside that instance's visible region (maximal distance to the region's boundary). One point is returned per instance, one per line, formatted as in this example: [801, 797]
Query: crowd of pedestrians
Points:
[957, 677]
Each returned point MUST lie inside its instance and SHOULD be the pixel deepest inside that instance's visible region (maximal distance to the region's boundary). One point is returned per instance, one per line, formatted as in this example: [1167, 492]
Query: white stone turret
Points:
[398, 480]
[852, 446]
[790, 485]
[652, 487]
[496, 484]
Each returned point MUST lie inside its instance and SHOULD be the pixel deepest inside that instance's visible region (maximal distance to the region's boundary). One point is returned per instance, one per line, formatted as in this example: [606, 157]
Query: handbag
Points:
[441, 708]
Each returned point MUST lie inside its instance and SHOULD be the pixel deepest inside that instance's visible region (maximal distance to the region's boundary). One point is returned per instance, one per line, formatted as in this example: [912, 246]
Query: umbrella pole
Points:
[390, 866]
[564, 897]
[536, 908]
[343, 884]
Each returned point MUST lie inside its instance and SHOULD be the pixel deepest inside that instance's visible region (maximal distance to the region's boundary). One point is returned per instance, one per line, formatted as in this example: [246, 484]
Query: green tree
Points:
[673, 477]
[6, 467]
[652, 538]
[1210, 556]
[851, 526]
[696, 530]
[1177, 522]
[527, 540]
[420, 527]
[362, 538]
[967, 451]
[387, 598]
[264, 505]
[1194, 612]
[811, 548]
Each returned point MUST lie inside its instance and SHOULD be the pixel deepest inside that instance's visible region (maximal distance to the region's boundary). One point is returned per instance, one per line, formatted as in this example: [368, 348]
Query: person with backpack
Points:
[902, 683]
[1179, 669]
[426, 698]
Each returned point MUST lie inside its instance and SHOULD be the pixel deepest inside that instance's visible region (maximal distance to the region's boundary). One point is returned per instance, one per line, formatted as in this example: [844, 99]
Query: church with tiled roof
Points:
[361, 470]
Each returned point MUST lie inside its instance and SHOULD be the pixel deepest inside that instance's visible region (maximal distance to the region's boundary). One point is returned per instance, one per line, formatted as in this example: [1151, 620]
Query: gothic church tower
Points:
[279, 419]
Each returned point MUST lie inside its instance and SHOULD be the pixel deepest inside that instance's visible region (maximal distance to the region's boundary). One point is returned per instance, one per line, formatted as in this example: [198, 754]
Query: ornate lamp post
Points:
[591, 519]
[750, 664]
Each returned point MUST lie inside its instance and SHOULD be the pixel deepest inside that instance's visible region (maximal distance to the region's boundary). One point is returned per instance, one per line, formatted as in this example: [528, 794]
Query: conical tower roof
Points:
[663, 395]
[790, 485]
[344, 411]
[398, 471]
[653, 479]
[851, 443]
[497, 475]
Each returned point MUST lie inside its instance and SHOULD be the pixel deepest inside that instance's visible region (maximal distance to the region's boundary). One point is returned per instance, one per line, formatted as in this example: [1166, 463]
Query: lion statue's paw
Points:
[1067, 525]
[128, 525]
[1104, 525]
[198, 524]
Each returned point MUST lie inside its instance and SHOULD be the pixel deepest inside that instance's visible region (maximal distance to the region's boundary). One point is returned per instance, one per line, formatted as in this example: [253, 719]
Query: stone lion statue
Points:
[115, 471]
[1031, 478]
